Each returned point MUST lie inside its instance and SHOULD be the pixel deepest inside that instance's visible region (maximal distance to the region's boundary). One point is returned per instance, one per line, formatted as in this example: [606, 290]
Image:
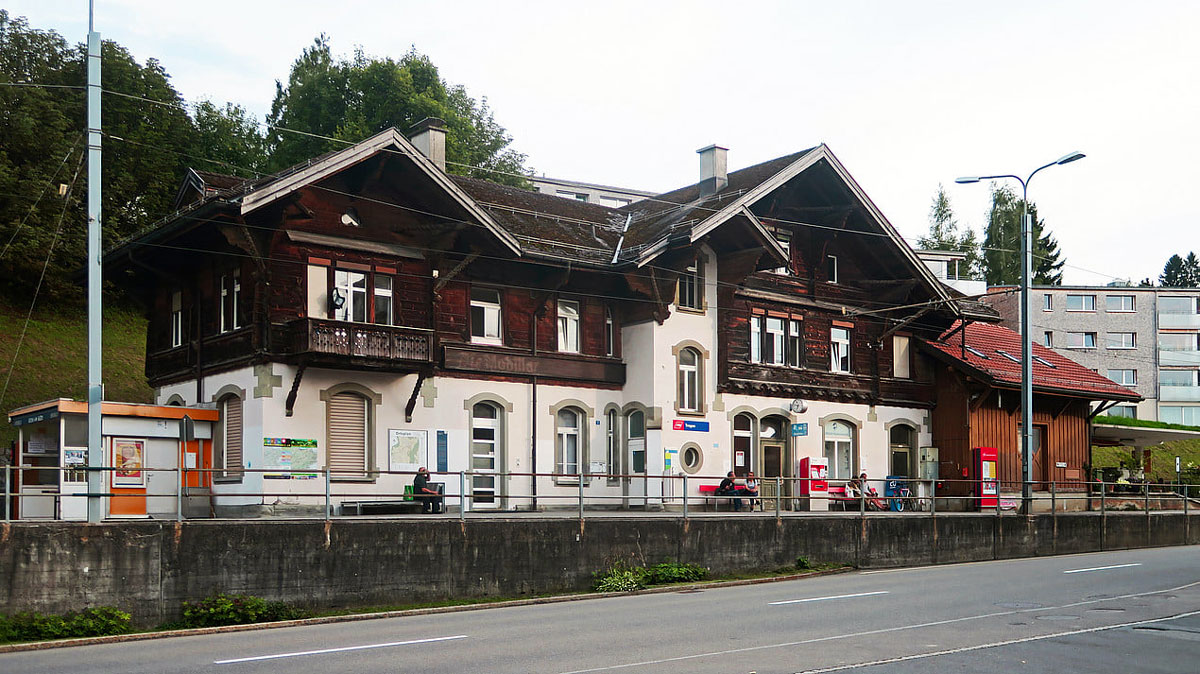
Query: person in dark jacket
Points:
[429, 498]
[728, 487]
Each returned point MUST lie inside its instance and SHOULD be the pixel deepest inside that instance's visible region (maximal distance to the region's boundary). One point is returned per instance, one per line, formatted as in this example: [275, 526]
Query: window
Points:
[636, 438]
[839, 450]
[784, 239]
[976, 352]
[831, 269]
[568, 326]
[1173, 414]
[901, 357]
[1081, 302]
[231, 291]
[485, 453]
[610, 337]
[577, 196]
[351, 286]
[1127, 411]
[1177, 341]
[227, 446]
[839, 349]
[176, 319]
[795, 345]
[689, 380]
[568, 442]
[900, 442]
[691, 459]
[348, 432]
[611, 445]
[1118, 303]
[1047, 302]
[743, 441]
[1123, 377]
[1177, 305]
[774, 345]
[383, 299]
[485, 316]
[756, 339]
[1176, 377]
[614, 202]
[1043, 361]
[1081, 340]
[1008, 355]
[1121, 340]
[690, 293]
[1048, 339]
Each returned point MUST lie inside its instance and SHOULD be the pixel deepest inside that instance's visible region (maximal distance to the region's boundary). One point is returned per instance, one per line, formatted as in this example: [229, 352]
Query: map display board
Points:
[294, 458]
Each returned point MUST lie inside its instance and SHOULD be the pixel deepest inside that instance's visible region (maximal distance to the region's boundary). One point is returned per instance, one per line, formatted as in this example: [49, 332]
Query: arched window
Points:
[839, 450]
[611, 445]
[743, 443]
[486, 446]
[568, 445]
[636, 439]
[900, 441]
[689, 380]
[227, 445]
[348, 429]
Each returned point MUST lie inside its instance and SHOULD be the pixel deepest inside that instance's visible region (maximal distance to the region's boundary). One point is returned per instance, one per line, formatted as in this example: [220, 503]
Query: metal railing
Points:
[326, 494]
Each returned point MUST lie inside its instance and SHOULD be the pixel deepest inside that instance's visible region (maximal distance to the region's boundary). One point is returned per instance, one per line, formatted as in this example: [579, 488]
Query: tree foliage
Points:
[945, 234]
[1002, 243]
[1181, 272]
[327, 100]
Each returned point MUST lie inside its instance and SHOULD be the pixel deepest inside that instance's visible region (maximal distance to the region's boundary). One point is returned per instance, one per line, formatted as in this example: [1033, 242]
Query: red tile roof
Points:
[1066, 376]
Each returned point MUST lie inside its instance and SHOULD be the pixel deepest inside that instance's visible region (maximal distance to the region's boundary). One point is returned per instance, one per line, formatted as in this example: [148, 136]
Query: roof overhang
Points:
[1137, 436]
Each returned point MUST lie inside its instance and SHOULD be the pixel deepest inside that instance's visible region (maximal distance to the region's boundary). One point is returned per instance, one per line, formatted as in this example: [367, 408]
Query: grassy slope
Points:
[52, 362]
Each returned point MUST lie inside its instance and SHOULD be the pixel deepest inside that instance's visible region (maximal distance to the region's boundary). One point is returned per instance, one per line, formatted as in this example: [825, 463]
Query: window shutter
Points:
[347, 435]
[233, 437]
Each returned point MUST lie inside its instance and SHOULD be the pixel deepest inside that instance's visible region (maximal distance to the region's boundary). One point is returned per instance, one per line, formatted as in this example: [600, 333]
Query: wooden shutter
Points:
[347, 435]
[233, 462]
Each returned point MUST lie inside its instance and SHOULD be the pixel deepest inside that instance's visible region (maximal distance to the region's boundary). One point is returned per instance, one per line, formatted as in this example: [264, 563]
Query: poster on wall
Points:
[293, 458]
[406, 449]
[739, 458]
[129, 462]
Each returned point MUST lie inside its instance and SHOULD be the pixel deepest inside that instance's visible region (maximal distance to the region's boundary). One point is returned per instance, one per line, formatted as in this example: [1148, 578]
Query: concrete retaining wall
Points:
[148, 568]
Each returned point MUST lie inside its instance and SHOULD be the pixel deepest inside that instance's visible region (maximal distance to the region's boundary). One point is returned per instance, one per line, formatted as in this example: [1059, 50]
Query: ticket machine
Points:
[986, 475]
[816, 487]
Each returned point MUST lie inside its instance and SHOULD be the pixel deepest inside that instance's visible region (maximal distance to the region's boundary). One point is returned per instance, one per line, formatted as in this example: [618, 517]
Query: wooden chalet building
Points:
[368, 312]
[978, 404]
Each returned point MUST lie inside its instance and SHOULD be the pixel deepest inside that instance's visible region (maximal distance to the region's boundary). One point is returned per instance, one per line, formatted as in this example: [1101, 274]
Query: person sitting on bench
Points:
[429, 498]
[729, 488]
[750, 489]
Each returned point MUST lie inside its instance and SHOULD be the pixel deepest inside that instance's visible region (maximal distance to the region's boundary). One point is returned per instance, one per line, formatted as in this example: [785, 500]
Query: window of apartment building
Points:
[839, 349]
[383, 299]
[776, 341]
[839, 449]
[349, 418]
[231, 295]
[689, 380]
[795, 343]
[568, 443]
[614, 202]
[351, 286]
[774, 346]
[1047, 302]
[1126, 411]
[1118, 303]
[690, 290]
[1123, 377]
[1048, 339]
[568, 326]
[831, 268]
[176, 319]
[1177, 341]
[1177, 305]
[901, 357]
[577, 196]
[1081, 340]
[1121, 340]
[610, 335]
[485, 316]
[227, 447]
[1177, 414]
[1176, 377]
[1081, 302]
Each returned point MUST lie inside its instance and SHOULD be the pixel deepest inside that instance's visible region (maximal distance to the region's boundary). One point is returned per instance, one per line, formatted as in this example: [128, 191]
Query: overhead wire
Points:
[41, 194]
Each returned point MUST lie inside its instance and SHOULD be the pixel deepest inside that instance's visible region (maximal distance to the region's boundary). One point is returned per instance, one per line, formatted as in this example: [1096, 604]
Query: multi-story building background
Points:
[1145, 338]
[591, 193]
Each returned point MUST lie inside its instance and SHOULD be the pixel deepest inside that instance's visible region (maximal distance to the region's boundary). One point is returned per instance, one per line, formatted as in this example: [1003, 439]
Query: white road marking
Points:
[884, 630]
[338, 650]
[996, 644]
[1103, 568]
[836, 596]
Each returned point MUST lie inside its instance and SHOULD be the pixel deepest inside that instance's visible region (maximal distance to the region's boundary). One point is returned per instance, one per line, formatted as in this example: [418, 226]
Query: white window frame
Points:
[689, 290]
[1047, 302]
[562, 436]
[612, 444]
[1124, 344]
[775, 352]
[1108, 302]
[610, 334]
[568, 326]
[901, 357]
[688, 382]
[756, 339]
[839, 350]
[490, 329]
[354, 295]
[1082, 341]
[1125, 376]
[831, 268]
[176, 319]
[231, 292]
[1048, 339]
[784, 239]
[795, 343]
[1087, 303]
[834, 446]
[383, 294]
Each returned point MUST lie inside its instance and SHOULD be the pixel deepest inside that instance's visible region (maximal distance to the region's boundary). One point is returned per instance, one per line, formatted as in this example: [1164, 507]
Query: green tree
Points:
[944, 234]
[349, 99]
[1191, 270]
[230, 138]
[1002, 243]
[1175, 273]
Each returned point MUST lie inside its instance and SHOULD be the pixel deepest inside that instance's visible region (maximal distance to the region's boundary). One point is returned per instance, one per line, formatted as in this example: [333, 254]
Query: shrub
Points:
[803, 564]
[235, 609]
[624, 578]
[673, 572]
[620, 580]
[92, 622]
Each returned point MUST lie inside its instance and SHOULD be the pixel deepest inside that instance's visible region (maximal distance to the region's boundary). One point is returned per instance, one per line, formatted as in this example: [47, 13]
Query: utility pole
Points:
[96, 481]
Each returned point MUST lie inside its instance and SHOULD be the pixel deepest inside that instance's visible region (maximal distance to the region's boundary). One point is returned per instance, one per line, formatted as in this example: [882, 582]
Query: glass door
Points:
[484, 419]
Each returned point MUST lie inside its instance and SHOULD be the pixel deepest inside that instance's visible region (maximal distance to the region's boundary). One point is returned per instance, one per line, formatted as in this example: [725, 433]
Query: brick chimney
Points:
[429, 136]
[714, 175]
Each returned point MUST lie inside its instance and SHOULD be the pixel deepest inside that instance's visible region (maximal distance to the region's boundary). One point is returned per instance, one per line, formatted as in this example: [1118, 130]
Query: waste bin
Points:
[891, 487]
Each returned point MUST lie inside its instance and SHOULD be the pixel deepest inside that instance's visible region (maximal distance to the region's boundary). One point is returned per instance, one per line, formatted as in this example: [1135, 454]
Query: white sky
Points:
[907, 94]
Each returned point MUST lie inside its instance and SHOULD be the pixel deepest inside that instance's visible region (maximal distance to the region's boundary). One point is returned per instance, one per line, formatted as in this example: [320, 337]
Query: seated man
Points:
[728, 487]
[750, 488]
[429, 497]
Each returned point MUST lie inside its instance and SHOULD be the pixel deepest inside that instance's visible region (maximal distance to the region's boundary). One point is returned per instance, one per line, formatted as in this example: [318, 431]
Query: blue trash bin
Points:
[892, 487]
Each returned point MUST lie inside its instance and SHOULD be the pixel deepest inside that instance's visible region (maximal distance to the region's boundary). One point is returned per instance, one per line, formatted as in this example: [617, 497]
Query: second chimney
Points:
[429, 136]
[714, 175]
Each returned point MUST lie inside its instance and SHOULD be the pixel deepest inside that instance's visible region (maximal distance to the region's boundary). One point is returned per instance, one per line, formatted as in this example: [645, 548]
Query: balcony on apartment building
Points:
[1179, 357]
[1179, 394]
[1185, 321]
[1179, 312]
[366, 344]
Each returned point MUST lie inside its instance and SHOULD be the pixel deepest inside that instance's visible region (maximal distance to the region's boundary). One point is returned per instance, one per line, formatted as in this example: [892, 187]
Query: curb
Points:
[166, 634]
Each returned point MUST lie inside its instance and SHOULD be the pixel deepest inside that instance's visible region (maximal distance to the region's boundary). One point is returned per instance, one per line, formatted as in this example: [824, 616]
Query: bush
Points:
[235, 609]
[624, 578]
[92, 622]
[803, 564]
[672, 572]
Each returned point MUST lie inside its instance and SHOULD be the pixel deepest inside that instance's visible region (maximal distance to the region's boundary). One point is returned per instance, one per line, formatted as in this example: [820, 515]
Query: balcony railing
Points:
[1184, 358]
[1179, 394]
[1179, 320]
[363, 340]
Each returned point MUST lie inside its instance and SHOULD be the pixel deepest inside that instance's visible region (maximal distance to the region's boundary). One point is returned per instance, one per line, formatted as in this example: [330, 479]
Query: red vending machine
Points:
[987, 482]
[816, 487]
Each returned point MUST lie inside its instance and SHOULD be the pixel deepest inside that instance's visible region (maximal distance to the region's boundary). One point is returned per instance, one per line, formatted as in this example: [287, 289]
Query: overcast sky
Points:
[907, 94]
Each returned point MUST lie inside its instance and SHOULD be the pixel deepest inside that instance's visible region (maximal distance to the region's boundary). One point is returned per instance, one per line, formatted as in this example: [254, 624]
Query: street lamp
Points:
[1026, 333]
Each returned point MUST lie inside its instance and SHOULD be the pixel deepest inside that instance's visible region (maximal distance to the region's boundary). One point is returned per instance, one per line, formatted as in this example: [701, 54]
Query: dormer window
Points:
[690, 293]
[485, 316]
[831, 268]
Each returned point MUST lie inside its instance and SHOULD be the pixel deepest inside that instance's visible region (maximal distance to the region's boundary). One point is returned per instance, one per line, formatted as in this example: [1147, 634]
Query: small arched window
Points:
[689, 380]
[569, 423]
[227, 448]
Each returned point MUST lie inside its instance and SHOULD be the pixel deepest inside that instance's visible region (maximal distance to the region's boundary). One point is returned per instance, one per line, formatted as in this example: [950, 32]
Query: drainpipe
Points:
[533, 416]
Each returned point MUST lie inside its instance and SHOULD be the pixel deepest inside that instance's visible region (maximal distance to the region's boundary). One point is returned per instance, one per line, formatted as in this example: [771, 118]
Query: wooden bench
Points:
[409, 504]
[839, 497]
[708, 492]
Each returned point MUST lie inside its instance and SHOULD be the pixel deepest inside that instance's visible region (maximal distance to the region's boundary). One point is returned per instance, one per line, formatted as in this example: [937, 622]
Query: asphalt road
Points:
[1129, 611]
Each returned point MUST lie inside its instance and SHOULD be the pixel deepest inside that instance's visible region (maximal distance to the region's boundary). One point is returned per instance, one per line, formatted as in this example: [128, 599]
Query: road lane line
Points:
[1103, 568]
[996, 644]
[883, 630]
[836, 596]
[337, 650]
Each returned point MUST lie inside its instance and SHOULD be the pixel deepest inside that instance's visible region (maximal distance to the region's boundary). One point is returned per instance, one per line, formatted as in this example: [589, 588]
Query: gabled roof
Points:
[977, 347]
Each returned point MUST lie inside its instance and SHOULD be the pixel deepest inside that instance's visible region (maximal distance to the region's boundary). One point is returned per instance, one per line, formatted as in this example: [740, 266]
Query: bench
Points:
[409, 504]
[839, 497]
[708, 492]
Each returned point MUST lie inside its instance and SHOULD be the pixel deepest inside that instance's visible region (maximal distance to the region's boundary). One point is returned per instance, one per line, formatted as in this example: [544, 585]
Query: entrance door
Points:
[1041, 460]
[772, 467]
[635, 456]
[484, 440]
[72, 484]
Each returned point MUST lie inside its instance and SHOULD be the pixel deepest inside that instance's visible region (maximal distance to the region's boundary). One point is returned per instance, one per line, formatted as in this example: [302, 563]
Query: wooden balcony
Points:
[362, 342]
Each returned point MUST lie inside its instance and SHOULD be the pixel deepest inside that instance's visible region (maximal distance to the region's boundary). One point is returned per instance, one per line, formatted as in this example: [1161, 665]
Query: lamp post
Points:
[1026, 333]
